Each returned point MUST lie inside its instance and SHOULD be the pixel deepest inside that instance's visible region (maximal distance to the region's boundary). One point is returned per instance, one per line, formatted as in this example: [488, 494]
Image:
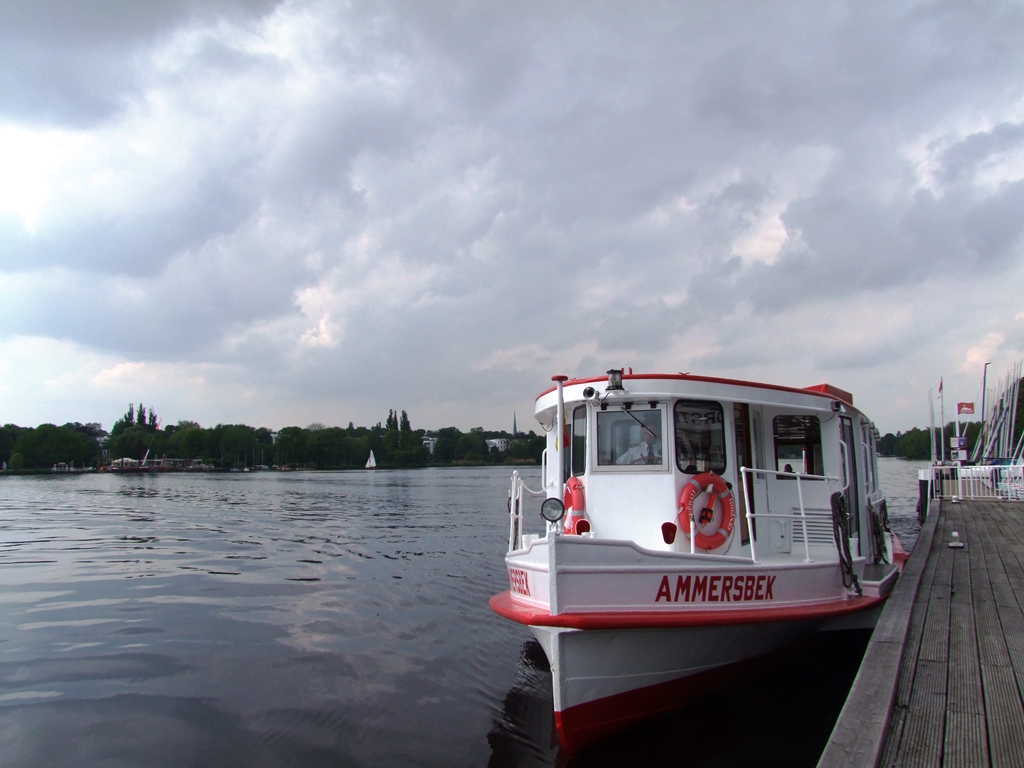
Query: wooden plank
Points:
[914, 633]
[924, 727]
[935, 640]
[1005, 712]
[894, 735]
[861, 728]
[963, 692]
[992, 650]
[965, 745]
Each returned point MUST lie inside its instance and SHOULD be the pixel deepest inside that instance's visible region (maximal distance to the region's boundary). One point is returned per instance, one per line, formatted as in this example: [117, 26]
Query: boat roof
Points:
[708, 386]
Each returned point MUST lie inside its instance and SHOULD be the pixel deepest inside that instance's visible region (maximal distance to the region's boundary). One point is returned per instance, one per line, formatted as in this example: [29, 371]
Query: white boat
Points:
[371, 463]
[637, 616]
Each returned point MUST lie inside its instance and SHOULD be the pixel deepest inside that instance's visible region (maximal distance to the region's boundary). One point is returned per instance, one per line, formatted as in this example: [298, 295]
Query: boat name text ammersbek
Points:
[717, 589]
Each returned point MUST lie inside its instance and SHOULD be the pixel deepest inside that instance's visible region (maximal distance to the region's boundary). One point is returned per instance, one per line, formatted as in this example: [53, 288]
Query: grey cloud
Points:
[961, 161]
[74, 63]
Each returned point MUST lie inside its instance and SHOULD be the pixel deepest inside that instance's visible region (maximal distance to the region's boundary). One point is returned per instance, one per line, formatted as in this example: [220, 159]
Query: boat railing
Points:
[515, 509]
[803, 514]
[995, 482]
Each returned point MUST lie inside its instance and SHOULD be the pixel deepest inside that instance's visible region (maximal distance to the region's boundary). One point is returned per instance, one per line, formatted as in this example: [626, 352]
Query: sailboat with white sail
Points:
[371, 463]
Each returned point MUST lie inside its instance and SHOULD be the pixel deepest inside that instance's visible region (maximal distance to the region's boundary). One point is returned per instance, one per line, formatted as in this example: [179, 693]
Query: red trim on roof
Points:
[823, 390]
[836, 392]
[503, 605]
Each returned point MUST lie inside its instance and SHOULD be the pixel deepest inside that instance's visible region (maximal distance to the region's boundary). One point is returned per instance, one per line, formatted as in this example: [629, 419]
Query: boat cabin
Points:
[752, 465]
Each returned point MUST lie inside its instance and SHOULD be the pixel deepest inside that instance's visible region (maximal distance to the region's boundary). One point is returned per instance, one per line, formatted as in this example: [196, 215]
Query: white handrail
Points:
[844, 449]
[799, 477]
[515, 496]
[991, 481]
[803, 519]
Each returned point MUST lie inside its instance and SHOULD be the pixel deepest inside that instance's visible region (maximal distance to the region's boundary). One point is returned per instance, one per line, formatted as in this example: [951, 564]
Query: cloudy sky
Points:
[279, 213]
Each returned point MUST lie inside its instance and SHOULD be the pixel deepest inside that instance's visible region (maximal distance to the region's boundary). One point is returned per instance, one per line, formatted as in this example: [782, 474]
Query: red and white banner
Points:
[965, 409]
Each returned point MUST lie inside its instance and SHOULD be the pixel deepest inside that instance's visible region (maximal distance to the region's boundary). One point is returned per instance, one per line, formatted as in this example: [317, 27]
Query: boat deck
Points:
[942, 682]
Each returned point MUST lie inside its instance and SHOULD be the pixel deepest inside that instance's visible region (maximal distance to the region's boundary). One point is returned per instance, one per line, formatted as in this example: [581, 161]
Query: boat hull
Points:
[608, 680]
[610, 672]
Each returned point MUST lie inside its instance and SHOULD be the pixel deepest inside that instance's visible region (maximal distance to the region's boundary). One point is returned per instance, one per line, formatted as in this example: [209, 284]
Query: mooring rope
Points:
[879, 527]
[841, 532]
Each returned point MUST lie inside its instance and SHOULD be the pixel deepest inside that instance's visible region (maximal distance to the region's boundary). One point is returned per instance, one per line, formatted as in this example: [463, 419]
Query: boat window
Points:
[579, 440]
[700, 437]
[798, 444]
[630, 437]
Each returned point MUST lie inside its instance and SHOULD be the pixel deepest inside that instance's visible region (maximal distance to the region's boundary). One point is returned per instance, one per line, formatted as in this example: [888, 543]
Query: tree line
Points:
[138, 435]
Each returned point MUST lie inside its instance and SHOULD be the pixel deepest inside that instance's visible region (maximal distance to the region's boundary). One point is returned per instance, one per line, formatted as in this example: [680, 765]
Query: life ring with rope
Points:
[714, 526]
[575, 507]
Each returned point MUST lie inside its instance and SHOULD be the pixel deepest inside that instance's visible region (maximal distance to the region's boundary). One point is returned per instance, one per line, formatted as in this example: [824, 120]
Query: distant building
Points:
[430, 442]
[500, 443]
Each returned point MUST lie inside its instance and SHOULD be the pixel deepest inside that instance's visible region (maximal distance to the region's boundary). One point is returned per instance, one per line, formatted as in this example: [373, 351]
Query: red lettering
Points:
[664, 590]
[713, 589]
[700, 588]
[726, 588]
[683, 589]
[518, 581]
[729, 588]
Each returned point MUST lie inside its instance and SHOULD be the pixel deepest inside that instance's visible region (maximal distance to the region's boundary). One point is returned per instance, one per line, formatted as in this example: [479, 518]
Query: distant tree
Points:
[913, 445]
[236, 444]
[132, 443]
[444, 448]
[188, 443]
[471, 448]
[405, 426]
[8, 437]
[49, 444]
[291, 446]
[526, 448]
[327, 448]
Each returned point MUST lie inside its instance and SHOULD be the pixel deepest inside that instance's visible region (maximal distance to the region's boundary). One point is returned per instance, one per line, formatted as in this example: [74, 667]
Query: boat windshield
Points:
[700, 437]
[630, 437]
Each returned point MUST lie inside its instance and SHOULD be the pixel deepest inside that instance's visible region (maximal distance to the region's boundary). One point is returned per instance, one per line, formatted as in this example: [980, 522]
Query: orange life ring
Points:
[575, 508]
[713, 528]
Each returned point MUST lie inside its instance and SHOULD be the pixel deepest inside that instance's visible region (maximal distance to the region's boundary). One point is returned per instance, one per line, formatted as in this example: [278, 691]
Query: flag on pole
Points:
[940, 386]
[965, 409]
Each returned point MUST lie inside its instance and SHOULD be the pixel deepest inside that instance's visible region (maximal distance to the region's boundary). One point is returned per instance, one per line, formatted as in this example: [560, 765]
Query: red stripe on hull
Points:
[585, 724]
[503, 605]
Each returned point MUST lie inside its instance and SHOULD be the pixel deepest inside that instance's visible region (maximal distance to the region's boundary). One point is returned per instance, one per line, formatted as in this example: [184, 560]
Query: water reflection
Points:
[524, 734]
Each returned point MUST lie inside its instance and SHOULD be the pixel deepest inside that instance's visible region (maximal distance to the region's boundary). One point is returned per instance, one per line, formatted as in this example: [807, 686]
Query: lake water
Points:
[323, 619]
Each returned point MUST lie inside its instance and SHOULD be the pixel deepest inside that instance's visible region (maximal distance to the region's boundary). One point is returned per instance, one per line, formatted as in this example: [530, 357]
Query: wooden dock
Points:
[942, 682]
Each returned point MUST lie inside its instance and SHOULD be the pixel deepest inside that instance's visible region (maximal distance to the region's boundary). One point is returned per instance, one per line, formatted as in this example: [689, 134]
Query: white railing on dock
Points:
[997, 482]
[800, 513]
